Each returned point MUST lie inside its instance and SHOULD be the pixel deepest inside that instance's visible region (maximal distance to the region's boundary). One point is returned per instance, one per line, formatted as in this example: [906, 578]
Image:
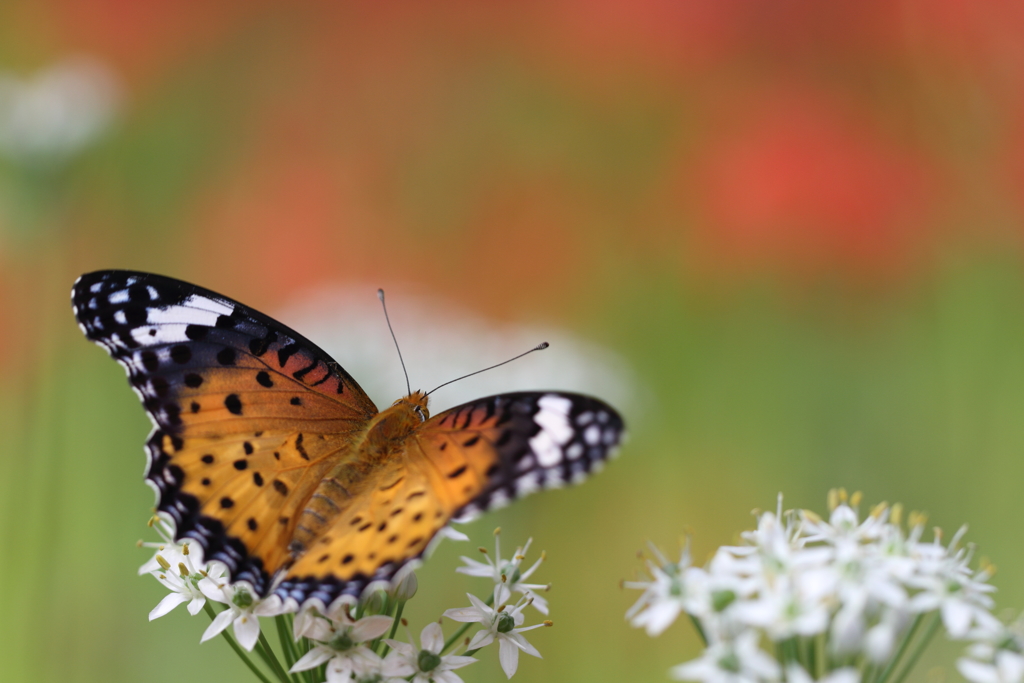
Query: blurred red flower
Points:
[800, 184]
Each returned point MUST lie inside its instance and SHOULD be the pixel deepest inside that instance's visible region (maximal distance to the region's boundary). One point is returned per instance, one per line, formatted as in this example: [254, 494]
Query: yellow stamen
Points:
[856, 498]
[164, 564]
[548, 622]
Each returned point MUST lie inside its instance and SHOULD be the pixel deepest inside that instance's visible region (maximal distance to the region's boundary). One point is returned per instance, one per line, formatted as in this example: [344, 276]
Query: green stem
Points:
[465, 627]
[812, 657]
[394, 627]
[891, 666]
[700, 629]
[922, 643]
[264, 650]
[284, 634]
[236, 647]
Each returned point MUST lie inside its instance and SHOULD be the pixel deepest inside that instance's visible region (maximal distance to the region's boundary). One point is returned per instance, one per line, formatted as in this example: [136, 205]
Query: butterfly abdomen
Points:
[377, 460]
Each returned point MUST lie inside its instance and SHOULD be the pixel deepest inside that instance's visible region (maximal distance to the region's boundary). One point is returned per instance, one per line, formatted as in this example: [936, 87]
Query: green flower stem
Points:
[922, 643]
[891, 666]
[791, 651]
[700, 629]
[264, 650]
[236, 647]
[394, 627]
[812, 657]
[465, 627]
[284, 635]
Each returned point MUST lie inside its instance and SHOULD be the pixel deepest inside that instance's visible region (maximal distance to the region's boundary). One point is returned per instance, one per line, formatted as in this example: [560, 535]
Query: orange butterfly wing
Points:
[247, 413]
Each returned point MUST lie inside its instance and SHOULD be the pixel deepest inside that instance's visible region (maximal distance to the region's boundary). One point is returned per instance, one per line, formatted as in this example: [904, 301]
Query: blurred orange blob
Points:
[799, 186]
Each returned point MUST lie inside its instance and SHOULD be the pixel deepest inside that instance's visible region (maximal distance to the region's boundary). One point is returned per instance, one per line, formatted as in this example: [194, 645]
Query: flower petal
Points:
[166, 605]
[480, 639]
[314, 658]
[508, 655]
[247, 630]
[432, 637]
[518, 639]
[219, 623]
[370, 627]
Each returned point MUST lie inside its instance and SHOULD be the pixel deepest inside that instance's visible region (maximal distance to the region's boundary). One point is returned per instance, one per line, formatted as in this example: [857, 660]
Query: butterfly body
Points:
[269, 455]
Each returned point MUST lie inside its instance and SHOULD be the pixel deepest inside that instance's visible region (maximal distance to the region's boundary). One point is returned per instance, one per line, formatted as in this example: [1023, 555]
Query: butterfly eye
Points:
[419, 411]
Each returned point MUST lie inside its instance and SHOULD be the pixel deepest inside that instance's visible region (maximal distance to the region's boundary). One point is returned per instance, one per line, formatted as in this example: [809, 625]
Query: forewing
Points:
[247, 413]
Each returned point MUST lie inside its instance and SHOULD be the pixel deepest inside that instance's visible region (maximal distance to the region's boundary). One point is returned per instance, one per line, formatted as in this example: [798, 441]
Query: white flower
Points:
[243, 612]
[675, 586]
[59, 111]
[860, 583]
[507, 573]
[796, 674]
[177, 573]
[1003, 666]
[730, 661]
[784, 611]
[948, 584]
[339, 642]
[425, 665]
[499, 624]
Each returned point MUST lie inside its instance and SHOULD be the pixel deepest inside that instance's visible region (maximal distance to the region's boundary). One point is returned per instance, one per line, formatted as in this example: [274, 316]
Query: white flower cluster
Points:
[841, 600]
[332, 640]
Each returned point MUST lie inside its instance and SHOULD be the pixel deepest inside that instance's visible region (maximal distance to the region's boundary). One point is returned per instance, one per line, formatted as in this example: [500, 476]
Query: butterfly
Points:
[269, 455]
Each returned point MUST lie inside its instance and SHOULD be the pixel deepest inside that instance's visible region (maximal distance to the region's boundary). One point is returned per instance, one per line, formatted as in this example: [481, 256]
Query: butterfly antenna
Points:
[538, 347]
[380, 295]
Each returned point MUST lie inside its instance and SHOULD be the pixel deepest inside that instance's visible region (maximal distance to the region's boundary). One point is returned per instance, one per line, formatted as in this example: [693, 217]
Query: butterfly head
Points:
[416, 402]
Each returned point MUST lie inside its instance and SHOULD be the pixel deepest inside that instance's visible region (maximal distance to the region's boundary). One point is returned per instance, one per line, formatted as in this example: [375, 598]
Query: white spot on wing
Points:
[165, 334]
[547, 451]
[592, 435]
[574, 451]
[120, 317]
[526, 484]
[120, 297]
[499, 499]
[207, 304]
[554, 429]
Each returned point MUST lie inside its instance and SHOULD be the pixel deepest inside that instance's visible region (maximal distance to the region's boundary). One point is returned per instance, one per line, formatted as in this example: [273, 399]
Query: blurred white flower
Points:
[797, 674]
[58, 111]
[674, 586]
[506, 573]
[426, 664]
[995, 666]
[441, 340]
[843, 591]
[730, 661]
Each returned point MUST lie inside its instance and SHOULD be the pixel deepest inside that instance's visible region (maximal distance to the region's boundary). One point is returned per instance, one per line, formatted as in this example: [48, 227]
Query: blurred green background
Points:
[800, 224]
